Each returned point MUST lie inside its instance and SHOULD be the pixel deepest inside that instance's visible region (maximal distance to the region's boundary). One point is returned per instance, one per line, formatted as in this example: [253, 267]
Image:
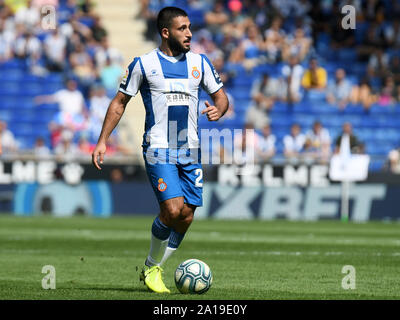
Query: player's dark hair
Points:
[166, 15]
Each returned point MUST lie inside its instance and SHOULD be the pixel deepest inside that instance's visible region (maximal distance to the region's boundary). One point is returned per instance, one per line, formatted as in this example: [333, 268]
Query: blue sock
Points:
[160, 230]
[175, 239]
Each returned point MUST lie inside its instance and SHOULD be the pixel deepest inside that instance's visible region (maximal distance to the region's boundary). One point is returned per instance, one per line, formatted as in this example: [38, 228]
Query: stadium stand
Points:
[253, 38]
[372, 107]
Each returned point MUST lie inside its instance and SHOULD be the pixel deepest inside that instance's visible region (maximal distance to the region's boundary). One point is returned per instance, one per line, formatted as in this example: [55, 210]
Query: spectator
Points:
[29, 16]
[110, 76]
[70, 100]
[104, 52]
[82, 67]
[55, 50]
[347, 142]
[315, 76]
[98, 103]
[66, 150]
[7, 37]
[8, 142]
[27, 45]
[292, 73]
[264, 94]
[293, 143]
[40, 149]
[266, 145]
[339, 90]
[388, 93]
[248, 50]
[318, 143]
[394, 160]
[97, 29]
[216, 18]
[274, 39]
[296, 45]
[378, 64]
[363, 94]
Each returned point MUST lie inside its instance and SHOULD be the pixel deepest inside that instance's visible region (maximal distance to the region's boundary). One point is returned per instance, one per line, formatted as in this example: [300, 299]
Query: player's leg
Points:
[191, 181]
[163, 225]
[164, 179]
[179, 228]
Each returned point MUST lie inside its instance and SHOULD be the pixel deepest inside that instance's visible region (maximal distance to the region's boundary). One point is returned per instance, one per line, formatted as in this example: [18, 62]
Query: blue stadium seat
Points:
[347, 55]
[10, 88]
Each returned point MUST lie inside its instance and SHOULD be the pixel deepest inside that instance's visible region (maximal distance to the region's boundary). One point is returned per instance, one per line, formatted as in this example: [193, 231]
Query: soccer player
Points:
[169, 79]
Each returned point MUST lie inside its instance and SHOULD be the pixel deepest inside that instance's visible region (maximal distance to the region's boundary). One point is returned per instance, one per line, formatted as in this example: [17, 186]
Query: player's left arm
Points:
[221, 104]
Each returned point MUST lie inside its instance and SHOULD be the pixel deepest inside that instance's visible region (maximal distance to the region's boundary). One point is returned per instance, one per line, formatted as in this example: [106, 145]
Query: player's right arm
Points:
[113, 115]
[129, 86]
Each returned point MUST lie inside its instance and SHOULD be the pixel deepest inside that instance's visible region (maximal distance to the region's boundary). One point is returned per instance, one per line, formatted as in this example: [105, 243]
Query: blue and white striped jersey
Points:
[170, 89]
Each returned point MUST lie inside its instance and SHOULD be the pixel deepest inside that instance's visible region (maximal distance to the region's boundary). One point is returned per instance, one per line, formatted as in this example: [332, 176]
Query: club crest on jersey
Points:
[162, 186]
[195, 73]
[123, 81]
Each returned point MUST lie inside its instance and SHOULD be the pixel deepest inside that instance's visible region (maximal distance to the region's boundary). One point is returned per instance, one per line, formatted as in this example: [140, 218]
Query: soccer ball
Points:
[193, 276]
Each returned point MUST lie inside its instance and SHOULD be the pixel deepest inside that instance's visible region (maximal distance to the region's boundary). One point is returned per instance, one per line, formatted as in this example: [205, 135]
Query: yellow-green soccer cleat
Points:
[152, 278]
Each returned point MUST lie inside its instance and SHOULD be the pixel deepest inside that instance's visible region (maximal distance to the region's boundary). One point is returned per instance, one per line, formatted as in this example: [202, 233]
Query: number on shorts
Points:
[199, 174]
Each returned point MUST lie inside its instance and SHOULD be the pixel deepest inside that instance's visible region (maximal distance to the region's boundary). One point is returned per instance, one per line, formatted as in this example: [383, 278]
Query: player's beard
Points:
[176, 46]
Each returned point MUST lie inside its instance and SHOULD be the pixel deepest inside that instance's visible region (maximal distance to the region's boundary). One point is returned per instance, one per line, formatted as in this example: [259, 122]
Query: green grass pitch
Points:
[97, 258]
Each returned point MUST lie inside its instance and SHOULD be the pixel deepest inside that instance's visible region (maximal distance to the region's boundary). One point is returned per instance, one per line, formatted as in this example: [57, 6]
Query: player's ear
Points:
[165, 33]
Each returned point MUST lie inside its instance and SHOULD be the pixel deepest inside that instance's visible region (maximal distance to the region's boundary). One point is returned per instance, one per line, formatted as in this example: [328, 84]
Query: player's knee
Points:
[172, 212]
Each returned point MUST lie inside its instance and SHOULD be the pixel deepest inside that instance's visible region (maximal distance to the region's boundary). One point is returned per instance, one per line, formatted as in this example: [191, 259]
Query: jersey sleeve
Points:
[211, 82]
[132, 80]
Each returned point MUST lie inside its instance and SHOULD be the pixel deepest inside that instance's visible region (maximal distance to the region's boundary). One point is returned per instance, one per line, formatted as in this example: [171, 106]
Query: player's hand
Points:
[98, 154]
[213, 113]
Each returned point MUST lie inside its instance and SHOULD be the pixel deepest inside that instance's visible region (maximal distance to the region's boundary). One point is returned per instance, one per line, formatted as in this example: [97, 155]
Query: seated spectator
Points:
[347, 143]
[298, 44]
[82, 66]
[293, 143]
[104, 52]
[315, 77]
[28, 16]
[216, 18]
[388, 93]
[99, 103]
[70, 100]
[55, 50]
[363, 94]
[292, 73]
[248, 50]
[274, 39]
[339, 90]
[264, 94]
[66, 150]
[97, 29]
[266, 145]
[28, 47]
[318, 143]
[394, 160]
[7, 139]
[110, 76]
[7, 37]
[40, 149]
[378, 64]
